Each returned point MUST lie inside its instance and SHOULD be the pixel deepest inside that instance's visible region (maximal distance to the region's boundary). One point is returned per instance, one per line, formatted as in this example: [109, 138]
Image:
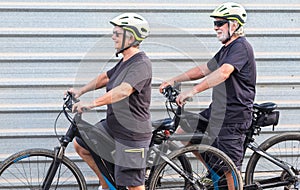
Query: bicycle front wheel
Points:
[28, 169]
[210, 169]
[283, 147]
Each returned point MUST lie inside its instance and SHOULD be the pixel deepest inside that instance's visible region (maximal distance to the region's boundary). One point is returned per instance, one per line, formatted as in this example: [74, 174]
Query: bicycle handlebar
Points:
[171, 93]
[70, 100]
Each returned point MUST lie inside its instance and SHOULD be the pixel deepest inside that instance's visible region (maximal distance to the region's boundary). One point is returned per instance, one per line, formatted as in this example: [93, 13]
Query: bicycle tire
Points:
[155, 161]
[285, 147]
[27, 170]
[164, 177]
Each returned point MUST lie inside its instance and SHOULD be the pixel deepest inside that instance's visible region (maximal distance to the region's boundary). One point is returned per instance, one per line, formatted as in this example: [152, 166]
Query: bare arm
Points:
[211, 80]
[99, 82]
[114, 95]
[192, 74]
[215, 78]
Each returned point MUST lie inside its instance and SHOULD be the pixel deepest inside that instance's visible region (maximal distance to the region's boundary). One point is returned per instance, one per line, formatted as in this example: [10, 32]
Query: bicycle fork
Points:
[59, 153]
[56, 163]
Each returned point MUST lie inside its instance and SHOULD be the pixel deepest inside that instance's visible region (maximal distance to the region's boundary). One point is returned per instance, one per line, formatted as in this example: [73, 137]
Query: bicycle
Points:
[168, 166]
[273, 163]
[276, 161]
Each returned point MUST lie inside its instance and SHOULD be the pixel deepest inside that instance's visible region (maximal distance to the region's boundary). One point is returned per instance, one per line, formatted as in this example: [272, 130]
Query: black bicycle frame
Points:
[279, 163]
[59, 154]
[250, 143]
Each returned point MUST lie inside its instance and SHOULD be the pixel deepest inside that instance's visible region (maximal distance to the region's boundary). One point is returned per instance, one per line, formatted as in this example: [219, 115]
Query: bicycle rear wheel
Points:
[284, 147]
[209, 172]
[27, 170]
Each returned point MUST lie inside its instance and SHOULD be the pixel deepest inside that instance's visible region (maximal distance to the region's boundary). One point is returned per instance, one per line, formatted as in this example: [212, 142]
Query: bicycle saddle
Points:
[163, 124]
[265, 107]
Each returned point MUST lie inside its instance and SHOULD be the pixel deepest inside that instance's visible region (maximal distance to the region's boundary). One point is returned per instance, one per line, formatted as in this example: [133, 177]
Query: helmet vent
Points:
[143, 29]
[223, 9]
[138, 18]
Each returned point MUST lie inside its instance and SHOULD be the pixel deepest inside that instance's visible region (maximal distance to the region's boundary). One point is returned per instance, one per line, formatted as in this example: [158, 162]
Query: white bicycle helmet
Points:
[134, 23]
[231, 11]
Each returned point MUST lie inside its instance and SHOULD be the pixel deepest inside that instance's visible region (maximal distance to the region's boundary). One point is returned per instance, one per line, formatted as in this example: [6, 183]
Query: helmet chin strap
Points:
[230, 35]
[123, 44]
[121, 50]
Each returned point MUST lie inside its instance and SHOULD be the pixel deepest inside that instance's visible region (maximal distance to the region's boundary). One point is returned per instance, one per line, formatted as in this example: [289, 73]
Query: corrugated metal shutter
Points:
[49, 46]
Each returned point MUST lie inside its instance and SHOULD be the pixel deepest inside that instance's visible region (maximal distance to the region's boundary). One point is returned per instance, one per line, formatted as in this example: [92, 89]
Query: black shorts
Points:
[129, 157]
[228, 137]
[231, 141]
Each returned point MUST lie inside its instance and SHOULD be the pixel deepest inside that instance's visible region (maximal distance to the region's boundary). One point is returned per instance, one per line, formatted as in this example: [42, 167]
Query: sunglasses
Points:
[220, 23]
[117, 33]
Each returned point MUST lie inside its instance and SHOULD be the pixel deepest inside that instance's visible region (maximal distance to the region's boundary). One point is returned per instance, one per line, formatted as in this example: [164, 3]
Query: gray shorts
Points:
[129, 157]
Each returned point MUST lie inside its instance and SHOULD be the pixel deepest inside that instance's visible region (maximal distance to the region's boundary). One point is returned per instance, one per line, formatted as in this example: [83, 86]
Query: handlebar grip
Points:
[84, 109]
[73, 97]
[167, 89]
[190, 99]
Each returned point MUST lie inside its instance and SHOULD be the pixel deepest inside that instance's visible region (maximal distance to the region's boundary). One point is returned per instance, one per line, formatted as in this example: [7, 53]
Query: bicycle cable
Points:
[167, 108]
[56, 120]
[58, 176]
[55, 124]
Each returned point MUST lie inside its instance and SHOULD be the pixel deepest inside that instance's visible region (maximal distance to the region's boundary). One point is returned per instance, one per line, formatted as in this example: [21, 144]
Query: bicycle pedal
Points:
[206, 181]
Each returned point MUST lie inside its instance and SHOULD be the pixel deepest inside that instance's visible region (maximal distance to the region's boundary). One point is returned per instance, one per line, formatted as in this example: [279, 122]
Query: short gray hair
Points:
[129, 34]
[240, 31]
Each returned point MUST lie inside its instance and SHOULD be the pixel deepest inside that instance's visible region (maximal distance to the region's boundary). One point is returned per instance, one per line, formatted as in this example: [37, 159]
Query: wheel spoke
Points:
[28, 170]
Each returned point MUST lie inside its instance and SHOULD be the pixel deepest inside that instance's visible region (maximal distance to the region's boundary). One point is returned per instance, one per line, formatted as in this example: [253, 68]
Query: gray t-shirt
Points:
[129, 119]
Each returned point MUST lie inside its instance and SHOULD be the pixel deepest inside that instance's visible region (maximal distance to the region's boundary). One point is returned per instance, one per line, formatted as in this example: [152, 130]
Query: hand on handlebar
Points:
[72, 101]
[164, 85]
[80, 107]
[173, 94]
[75, 92]
[183, 97]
